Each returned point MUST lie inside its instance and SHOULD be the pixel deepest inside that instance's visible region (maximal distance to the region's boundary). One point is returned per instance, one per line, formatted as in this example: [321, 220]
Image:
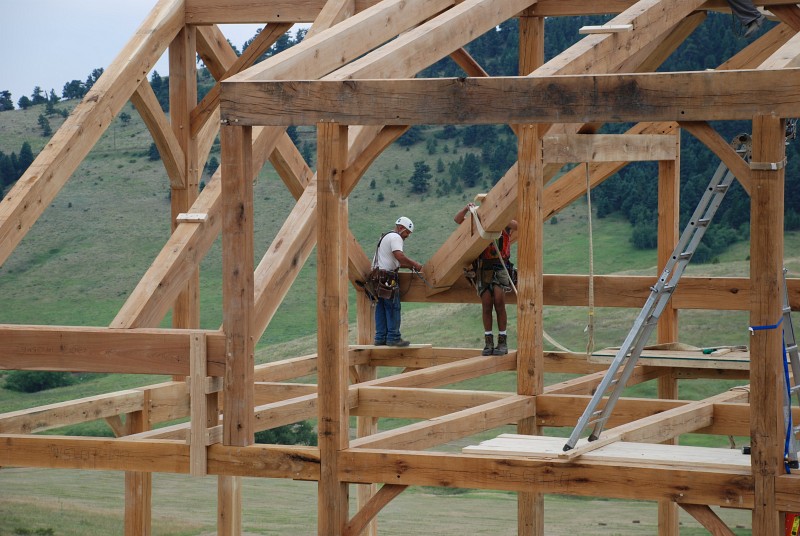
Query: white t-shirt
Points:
[384, 256]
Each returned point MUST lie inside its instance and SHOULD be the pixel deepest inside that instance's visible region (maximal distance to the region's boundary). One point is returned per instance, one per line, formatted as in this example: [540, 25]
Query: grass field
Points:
[86, 254]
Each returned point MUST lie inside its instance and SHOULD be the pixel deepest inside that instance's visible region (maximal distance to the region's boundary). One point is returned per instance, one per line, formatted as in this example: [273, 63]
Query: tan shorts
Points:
[491, 275]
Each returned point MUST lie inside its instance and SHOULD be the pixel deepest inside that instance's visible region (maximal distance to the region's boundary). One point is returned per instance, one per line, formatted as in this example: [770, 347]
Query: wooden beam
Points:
[567, 148]
[41, 418]
[171, 152]
[351, 39]
[708, 518]
[413, 403]
[203, 112]
[452, 426]
[661, 427]
[332, 325]
[691, 96]
[237, 290]
[616, 480]
[139, 484]
[371, 509]
[766, 273]
[722, 149]
[87, 349]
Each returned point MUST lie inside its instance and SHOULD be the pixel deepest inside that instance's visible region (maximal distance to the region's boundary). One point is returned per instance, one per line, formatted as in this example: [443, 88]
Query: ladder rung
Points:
[791, 348]
[795, 388]
[703, 222]
[721, 188]
[786, 309]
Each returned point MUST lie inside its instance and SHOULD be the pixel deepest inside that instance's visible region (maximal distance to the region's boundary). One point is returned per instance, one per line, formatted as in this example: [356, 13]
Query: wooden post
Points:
[182, 99]
[669, 184]
[138, 485]
[530, 301]
[237, 311]
[530, 374]
[766, 283]
[332, 347]
[366, 426]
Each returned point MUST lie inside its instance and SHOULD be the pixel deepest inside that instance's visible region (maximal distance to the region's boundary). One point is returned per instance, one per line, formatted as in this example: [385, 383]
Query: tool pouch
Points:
[384, 282]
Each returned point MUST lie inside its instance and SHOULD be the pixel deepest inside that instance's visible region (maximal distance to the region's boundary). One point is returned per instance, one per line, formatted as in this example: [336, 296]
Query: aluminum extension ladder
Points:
[625, 359]
[790, 343]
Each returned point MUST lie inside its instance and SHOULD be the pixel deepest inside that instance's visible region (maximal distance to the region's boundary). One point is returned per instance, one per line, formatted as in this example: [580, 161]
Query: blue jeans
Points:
[387, 320]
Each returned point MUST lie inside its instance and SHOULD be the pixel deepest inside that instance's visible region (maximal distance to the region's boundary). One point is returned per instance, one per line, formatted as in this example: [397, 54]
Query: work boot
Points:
[399, 343]
[753, 26]
[489, 344]
[502, 346]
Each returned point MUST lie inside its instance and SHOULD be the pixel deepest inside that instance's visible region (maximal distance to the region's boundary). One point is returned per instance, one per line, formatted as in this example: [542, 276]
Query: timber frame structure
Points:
[352, 77]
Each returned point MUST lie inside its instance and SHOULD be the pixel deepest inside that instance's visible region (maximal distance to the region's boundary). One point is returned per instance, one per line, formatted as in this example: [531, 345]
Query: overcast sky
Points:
[48, 43]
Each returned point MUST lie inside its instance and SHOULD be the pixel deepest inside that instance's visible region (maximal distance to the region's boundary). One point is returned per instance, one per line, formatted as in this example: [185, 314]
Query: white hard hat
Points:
[405, 222]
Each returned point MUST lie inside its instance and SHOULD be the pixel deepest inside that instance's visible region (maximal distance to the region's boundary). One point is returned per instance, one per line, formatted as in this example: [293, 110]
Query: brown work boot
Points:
[489, 345]
[502, 346]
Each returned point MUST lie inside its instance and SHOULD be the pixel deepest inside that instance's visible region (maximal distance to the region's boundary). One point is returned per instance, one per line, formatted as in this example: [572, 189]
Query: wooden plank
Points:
[624, 452]
[695, 485]
[605, 29]
[237, 290]
[661, 427]
[766, 372]
[566, 148]
[89, 349]
[39, 185]
[41, 418]
[733, 360]
[691, 96]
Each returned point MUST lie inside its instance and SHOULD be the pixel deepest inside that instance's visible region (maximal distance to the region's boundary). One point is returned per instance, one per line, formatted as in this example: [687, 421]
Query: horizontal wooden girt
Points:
[599, 479]
[86, 349]
[683, 96]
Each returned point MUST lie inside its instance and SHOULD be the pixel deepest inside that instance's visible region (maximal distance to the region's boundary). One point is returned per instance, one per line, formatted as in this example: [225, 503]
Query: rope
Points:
[473, 210]
[546, 336]
[590, 325]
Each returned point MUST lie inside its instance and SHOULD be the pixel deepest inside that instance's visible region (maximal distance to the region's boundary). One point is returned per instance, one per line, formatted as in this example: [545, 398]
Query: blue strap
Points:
[762, 328]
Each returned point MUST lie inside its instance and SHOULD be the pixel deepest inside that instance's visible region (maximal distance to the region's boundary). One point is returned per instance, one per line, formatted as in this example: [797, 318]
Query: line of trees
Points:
[12, 166]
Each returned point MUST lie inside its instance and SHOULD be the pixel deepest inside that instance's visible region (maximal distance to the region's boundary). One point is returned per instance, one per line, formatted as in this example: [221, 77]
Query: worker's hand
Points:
[417, 267]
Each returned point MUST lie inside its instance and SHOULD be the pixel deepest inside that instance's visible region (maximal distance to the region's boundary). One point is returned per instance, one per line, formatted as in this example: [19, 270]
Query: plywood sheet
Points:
[551, 447]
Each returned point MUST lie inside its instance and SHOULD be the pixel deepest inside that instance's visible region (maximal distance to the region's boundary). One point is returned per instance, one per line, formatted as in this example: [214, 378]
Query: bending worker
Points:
[492, 281]
[389, 257]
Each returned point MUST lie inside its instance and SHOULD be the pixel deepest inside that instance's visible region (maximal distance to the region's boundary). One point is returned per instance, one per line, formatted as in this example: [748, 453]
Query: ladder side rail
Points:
[622, 380]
